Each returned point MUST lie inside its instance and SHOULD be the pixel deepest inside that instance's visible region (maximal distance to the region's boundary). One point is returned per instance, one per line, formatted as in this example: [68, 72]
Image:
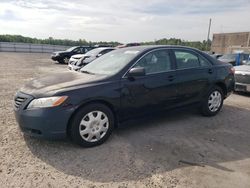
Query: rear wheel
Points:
[213, 102]
[92, 125]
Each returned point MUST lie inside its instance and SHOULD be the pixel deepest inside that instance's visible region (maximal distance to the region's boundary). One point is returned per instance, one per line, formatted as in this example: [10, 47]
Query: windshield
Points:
[110, 63]
[70, 49]
[228, 56]
[93, 52]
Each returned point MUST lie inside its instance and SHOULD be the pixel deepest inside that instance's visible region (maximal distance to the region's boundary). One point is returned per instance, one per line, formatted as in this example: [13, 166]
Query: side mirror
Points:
[136, 72]
[99, 55]
[244, 61]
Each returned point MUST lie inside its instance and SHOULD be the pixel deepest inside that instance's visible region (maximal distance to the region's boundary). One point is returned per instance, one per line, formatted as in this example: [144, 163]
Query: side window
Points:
[154, 62]
[186, 59]
[109, 50]
[104, 51]
[77, 50]
[204, 62]
[84, 50]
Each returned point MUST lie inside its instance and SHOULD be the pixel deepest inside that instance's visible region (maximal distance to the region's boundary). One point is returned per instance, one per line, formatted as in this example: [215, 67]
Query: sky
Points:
[123, 20]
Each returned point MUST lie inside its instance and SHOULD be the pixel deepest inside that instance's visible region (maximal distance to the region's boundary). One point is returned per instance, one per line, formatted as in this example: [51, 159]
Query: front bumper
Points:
[73, 67]
[48, 123]
[242, 87]
[55, 57]
[73, 61]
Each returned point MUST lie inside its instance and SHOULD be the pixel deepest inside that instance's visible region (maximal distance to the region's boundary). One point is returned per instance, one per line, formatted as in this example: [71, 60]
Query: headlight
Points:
[47, 102]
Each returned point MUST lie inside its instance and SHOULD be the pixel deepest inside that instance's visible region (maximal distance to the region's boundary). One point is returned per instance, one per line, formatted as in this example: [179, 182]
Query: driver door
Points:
[155, 90]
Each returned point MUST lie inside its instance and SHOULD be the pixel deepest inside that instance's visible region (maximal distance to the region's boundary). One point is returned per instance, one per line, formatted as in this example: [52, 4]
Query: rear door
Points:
[194, 74]
[154, 90]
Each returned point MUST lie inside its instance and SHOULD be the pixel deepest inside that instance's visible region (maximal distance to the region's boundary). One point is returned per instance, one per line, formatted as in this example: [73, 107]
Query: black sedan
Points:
[242, 77]
[89, 57]
[120, 85]
[63, 56]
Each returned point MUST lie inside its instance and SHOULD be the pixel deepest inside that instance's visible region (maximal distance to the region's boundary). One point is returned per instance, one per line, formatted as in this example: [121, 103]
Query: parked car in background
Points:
[102, 45]
[128, 45]
[64, 56]
[78, 61]
[216, 56]
[242, 77]
[74, 58]
[231, 58]
[121, 85]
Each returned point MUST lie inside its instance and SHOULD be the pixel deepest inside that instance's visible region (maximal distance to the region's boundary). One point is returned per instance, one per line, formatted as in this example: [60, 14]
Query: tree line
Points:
[204, 45]
[52, 41]
[66, 42]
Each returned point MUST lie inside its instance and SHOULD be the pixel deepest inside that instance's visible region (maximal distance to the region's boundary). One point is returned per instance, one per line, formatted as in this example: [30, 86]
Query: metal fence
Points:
[30, 48]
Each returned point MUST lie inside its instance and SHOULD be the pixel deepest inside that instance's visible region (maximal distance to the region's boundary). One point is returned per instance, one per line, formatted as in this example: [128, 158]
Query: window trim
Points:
[210, 64]
[171, 59]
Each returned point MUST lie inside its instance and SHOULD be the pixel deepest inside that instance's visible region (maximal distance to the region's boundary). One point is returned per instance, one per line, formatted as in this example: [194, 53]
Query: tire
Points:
[92, 125]
[213, 102]
[60, 61]
[66, 60]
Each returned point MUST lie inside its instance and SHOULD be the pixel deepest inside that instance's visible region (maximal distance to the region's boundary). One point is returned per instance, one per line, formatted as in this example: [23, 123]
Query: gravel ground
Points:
[143, 153]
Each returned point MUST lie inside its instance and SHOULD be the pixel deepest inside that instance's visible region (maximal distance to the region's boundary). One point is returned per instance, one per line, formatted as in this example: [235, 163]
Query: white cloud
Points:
[124, 21]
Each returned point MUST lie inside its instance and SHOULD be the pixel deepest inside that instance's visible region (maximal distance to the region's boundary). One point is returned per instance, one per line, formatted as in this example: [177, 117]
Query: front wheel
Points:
[66, 60]
[213, 102]
[92, 125]
[60, 61]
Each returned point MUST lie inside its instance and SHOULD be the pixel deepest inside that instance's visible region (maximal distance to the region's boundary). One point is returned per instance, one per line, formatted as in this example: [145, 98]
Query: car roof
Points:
[152, 47]
[147, 48]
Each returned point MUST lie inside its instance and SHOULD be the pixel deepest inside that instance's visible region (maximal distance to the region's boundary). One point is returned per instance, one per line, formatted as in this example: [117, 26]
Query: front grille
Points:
[240, 78]
[19, 101]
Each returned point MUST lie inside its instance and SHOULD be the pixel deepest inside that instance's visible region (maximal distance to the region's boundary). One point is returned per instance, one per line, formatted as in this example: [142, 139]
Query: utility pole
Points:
[208, 34]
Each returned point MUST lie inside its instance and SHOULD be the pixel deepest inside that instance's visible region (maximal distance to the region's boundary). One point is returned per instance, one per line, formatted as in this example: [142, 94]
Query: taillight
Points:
[232, 70]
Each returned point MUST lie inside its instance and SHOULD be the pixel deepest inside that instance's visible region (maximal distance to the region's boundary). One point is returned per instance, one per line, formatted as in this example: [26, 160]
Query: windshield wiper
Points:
[83, 71]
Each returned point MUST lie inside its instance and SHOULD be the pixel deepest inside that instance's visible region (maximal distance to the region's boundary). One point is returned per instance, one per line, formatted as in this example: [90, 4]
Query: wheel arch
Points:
[223, 87]
[109, 105]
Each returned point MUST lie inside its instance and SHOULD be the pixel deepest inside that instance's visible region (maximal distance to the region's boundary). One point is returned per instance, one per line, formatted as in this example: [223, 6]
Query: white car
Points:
[75, 58]
[76, 62]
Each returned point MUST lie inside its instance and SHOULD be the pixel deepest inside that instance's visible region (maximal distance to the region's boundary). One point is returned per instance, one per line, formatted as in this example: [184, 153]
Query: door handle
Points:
[210, 71]
[171, 78]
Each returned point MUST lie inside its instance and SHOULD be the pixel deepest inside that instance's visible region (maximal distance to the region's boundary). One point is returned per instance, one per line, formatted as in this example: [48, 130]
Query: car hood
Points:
[242, 68]
[78, 56]
[49, 85]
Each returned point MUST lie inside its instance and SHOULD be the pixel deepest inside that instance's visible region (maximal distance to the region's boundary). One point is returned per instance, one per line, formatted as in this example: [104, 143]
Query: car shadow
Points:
[246, 94]
[156, 144]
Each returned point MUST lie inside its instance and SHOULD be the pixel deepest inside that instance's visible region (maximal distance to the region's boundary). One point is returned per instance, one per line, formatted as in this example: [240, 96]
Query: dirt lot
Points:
[143, 153]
